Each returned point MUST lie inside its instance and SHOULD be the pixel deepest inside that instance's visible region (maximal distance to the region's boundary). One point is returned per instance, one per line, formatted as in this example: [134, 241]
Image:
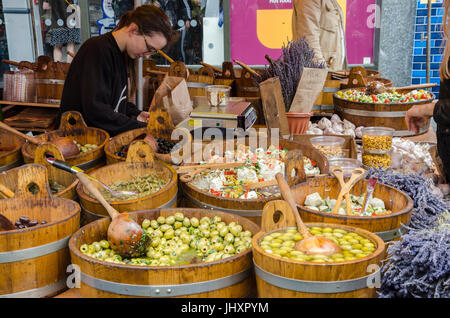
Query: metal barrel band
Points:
[11, 165]
[368, 113]
[323, 287]
[165, 290]
[243, 213]
[39, 292]
[168, 204]
[33, 252]
[391, 234]
[92, 163]
[327, 89]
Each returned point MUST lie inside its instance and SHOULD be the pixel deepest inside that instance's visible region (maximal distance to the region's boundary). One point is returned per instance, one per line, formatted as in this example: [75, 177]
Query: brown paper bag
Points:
[309, 87]
[173, 95]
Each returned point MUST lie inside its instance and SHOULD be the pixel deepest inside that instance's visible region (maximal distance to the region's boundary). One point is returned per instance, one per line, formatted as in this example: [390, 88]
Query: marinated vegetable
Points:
[179, 240]
[145, 185]
[376, 206]
[330, 151]
[376, 161]
[394, 97]
[353, 245]
[85, 147]
[377, 142]
[261, 165]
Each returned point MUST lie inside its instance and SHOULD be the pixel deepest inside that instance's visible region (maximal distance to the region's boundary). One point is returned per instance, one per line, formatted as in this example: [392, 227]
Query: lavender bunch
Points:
[295, 56]
[419, 264]
[427, 207]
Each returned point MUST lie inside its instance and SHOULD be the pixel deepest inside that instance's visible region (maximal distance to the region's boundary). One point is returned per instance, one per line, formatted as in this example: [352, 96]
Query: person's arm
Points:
[132, 110]
[306, 23]
[96, 97]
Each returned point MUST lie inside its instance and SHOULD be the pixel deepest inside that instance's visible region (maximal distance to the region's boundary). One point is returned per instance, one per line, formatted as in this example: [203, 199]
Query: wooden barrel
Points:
[249, 208]
[279, 277]
[123, 171]
[246, 85]
[352, 84]
[68, 180]
[230, 277]
[379, 115]
[33, 261]
[10, 150]
[388, 227]
[50, 83]
[73, 126]
[324, 102]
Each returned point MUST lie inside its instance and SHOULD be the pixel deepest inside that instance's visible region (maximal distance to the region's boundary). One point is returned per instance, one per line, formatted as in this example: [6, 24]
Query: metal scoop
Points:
[74, 169]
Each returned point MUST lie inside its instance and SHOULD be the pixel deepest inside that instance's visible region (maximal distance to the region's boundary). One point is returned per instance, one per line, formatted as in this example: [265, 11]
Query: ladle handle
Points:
[426, 85]
[167, 57]
[92, 189]
[18, 133]
[6, 191]
[211, 67]
[287, 195]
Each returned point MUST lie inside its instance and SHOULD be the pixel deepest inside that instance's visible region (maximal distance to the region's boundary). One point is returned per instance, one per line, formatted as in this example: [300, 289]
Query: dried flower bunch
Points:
[295, 56]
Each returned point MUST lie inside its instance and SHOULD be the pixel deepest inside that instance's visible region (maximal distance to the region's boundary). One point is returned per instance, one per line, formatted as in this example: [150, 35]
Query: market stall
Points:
[222, 151]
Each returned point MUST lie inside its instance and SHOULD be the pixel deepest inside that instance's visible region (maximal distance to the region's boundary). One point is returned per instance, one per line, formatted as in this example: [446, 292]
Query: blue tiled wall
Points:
[419, 64]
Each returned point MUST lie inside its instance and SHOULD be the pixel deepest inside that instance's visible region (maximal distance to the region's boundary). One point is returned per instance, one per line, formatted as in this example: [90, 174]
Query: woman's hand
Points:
[415, 117]
[143, 116]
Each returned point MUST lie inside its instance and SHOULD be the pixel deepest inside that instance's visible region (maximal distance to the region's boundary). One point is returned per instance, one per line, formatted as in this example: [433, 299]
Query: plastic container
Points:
[377, 140]
[298, 122]
[329, 146]
[347, 165]
[377, 160]
[218, 95]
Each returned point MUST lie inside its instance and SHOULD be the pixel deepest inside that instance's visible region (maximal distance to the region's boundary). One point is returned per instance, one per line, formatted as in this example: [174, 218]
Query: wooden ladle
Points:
[65, 144]
[310, 244]
[377, 87]
[124, 234]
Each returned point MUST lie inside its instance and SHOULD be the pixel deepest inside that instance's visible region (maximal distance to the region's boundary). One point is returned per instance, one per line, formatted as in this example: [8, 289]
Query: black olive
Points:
[17, 223]
[24, 219]
[43, 222]
[21, 226]
[33, 223]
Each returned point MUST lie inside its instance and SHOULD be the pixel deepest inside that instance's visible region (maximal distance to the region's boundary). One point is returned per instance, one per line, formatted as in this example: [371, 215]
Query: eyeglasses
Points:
[150, 50]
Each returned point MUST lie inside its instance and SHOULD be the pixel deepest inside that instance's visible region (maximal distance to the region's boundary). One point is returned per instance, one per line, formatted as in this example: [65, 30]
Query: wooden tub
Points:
[33, 261]
[73, 126]
[122, 171]
[10, 154]
[250, 208]
[388, 227]
[230, 277]
[279, 277]
[64, 178]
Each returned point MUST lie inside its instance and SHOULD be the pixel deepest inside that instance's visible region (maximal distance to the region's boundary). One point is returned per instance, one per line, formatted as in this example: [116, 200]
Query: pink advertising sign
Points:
[260, 27]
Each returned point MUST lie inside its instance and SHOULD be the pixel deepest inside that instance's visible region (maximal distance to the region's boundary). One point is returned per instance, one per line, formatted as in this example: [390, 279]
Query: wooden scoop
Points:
[310, 244]
[377, 87]
[218, 70]
[357, 174]
[248, 68]
[65, 144]
[167, 57]
[125, 236]
[5, 191]
[6, 224]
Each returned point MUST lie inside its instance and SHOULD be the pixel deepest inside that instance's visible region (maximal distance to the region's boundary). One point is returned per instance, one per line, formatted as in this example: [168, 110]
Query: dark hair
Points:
[149, 19]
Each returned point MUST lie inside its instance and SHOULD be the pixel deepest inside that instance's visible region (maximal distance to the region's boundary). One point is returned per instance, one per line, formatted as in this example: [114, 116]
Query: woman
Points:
[97, 81]
[440, 111]
[321, 22]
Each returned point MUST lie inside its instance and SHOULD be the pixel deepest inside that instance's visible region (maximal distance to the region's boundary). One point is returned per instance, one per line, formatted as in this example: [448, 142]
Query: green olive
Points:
[195, 222]
[177, 225]
[154, 224]
[223, 232]
[84, 248]
[161, 220]
[217, 219]
[179, 216]
[97, 246]
[169, 234]
[186, 222]
[145, 223]
[205, 219]
[170, 220]
[165, 227]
